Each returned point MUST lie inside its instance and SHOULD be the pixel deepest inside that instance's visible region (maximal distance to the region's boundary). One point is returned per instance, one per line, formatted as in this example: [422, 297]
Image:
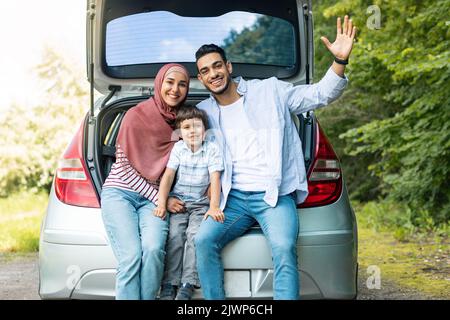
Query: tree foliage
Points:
[32, 139]
[260, 43]
[391, 127]
[400, 83]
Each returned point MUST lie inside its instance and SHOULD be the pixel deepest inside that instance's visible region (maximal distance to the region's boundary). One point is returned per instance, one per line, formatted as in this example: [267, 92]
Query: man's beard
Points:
[227, 84]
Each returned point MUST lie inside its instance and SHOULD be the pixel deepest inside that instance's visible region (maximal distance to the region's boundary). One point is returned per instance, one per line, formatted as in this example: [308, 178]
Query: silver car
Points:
[128, 41]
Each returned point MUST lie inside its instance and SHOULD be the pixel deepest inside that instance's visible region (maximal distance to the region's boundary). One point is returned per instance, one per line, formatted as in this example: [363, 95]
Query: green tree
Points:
[354, 108]
[33, 139]
[400, 87]
[260, 43]
[391, 126]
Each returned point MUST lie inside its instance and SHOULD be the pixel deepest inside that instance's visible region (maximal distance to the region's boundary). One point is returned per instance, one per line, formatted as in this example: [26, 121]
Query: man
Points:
[264, 174]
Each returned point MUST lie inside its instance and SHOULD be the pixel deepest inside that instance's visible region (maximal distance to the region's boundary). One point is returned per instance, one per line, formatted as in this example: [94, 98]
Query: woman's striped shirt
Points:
[124, 176]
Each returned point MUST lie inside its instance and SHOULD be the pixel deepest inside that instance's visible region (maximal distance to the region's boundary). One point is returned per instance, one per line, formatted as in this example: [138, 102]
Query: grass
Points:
[388, 216]
[20, 220]
[418, 260]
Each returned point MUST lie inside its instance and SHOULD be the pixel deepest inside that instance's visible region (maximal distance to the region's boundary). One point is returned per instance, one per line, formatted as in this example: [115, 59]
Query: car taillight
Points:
[324, 177]
[72, 183]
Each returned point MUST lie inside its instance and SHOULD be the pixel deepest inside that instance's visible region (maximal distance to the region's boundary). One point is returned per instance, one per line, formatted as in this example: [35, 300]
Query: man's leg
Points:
[212, 238]
[280, 226]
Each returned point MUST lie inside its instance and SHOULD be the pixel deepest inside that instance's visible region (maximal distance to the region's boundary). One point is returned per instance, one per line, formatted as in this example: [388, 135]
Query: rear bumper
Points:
[76, 261]
[327, 271]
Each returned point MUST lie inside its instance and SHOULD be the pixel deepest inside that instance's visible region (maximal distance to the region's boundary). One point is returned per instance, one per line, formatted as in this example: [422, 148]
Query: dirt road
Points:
[19, 278]
[19, 281]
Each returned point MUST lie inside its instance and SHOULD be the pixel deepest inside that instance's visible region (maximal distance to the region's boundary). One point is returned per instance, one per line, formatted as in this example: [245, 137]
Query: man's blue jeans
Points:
[138, 240]
[280, 226]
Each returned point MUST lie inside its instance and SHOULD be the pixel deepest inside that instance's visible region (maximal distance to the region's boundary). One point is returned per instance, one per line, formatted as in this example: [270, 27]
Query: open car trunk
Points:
[129, 41]
[108, 123]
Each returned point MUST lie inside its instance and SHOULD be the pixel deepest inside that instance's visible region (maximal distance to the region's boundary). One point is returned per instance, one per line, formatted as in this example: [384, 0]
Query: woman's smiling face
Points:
[174, 88]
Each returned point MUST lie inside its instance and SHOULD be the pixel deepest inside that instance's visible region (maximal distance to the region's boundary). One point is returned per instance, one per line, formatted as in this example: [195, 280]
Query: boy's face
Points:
[193, 132]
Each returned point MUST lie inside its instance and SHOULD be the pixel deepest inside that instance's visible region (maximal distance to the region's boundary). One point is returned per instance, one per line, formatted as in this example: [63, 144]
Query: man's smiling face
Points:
[214, 73]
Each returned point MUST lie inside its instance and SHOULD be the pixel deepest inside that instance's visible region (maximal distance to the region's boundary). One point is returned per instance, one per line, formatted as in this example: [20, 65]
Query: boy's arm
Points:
[164, 188]
[173, 204]
[214, 209]
[215, 190]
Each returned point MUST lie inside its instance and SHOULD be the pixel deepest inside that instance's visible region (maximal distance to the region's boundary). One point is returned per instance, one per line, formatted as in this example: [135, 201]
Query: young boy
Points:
[196, 163]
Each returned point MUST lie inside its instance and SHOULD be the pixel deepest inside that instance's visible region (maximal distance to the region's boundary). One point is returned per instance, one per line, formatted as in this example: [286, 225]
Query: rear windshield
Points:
[162, 37]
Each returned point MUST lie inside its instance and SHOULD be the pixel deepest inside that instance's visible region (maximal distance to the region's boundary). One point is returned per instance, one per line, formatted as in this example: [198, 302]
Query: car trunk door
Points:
[128, 41]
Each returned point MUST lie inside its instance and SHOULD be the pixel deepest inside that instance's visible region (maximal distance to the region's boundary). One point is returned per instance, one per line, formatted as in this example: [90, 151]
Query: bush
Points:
[32, 139]
[398, 218]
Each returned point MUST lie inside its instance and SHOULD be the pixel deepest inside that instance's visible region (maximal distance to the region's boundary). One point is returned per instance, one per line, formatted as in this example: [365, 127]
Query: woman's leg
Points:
[153, 232]
[121, 224]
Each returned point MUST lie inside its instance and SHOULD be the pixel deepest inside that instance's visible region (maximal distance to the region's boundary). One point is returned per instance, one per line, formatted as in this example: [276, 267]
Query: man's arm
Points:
[304, 98]
[164, 188]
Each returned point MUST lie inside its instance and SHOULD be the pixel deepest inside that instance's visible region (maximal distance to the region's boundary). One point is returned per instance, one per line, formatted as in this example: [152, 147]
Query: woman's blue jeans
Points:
[138, 239]
[280, 226]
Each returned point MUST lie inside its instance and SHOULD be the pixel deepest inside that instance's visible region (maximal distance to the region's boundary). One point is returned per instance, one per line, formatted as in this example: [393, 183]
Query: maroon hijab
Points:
[146, 134]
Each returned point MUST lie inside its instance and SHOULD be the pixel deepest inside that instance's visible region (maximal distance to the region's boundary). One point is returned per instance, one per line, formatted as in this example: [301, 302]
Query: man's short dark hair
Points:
[187, 112]
[210, 48]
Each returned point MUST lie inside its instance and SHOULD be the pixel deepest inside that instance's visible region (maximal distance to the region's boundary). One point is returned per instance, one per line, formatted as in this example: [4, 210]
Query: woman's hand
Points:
[342, 46]
[160, 212]
[216, 214]
[175, 205]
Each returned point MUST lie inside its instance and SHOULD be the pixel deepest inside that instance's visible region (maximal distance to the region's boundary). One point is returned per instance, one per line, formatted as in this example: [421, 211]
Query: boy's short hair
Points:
[187, 112]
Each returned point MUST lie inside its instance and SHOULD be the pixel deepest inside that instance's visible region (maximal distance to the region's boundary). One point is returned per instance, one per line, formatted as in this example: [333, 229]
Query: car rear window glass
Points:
[162, 36]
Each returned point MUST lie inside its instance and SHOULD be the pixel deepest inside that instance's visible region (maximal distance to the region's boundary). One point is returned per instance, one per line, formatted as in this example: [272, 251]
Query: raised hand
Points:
[342, 46]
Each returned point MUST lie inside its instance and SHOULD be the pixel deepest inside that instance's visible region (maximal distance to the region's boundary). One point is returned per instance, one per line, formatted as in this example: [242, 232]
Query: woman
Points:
[143, 146]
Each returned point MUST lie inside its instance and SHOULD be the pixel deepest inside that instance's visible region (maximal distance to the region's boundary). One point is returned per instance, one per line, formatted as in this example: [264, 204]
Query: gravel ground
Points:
[19, 280]
[388, 291]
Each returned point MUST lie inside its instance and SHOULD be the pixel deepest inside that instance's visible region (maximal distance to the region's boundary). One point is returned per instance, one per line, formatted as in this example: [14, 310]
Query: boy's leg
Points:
[280, 226]
[175, 248]
[153, 231]
[212, 238]
[196, 211]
